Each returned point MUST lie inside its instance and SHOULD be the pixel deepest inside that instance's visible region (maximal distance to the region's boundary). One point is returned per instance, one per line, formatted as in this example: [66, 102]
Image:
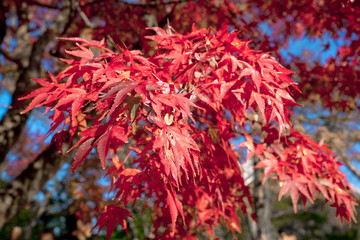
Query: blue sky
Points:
[5, 100]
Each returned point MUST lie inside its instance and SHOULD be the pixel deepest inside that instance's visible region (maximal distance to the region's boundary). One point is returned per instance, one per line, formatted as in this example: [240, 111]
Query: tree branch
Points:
[9, 57]
[33, 2]
[352, 168]
[83, 16]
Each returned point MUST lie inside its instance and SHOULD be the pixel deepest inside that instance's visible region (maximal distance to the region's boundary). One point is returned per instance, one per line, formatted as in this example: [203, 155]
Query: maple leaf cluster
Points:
[182, 107]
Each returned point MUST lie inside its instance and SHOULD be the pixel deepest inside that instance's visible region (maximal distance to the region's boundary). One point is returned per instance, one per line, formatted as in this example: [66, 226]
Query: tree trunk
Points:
[22, 190]
[263, 229]
[13, 122]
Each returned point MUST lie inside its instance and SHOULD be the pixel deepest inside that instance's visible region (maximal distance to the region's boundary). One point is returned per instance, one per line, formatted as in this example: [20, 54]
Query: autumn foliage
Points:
[180, 111]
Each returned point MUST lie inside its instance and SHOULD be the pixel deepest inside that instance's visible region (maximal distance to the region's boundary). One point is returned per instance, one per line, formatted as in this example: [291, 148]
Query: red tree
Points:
[182, 106]
[179, 100]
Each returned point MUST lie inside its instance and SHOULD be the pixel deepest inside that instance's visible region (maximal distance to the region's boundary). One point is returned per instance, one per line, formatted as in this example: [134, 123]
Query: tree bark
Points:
[22, 190]
[263, 229]
[13, 122]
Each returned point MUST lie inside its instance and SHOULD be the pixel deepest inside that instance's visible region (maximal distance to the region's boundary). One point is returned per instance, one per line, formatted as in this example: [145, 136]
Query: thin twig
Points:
[149, 4]
[83, 16]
